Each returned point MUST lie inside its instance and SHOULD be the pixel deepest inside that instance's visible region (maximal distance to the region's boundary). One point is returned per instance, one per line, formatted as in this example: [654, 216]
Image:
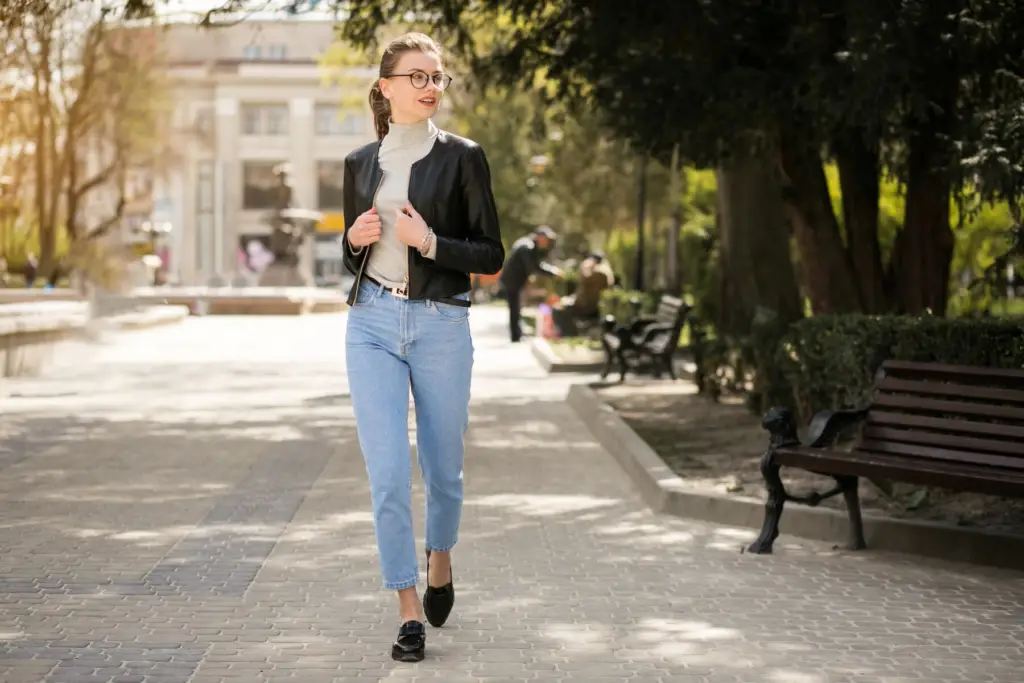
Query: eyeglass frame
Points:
[430, 79]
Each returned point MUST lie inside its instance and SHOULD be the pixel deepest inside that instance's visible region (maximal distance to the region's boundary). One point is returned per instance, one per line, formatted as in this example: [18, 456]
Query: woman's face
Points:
[410, 104]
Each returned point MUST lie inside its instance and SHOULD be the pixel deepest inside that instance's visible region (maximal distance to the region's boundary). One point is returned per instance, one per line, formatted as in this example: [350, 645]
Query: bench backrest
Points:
[947, 413]
[671, 310]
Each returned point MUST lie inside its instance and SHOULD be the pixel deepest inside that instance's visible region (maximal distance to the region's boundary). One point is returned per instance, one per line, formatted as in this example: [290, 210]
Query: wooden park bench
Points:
[948, 426]
[651, 339]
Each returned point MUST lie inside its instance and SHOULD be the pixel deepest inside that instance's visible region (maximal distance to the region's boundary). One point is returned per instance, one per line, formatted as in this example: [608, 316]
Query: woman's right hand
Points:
[365, 230]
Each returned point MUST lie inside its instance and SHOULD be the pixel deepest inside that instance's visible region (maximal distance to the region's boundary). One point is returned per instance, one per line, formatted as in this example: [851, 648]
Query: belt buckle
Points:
[400, 292]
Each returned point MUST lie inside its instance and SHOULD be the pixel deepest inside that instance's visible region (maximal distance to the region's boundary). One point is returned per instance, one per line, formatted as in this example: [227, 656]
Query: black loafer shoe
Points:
[411, 643]
[438, 602]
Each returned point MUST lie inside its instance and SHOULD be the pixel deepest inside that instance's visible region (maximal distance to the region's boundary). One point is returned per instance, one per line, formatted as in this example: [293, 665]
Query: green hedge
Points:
[616, 302]
[830, 361]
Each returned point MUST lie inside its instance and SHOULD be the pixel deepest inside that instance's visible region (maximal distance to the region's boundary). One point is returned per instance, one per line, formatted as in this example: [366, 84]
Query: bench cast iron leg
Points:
[607, 328]
[773, 507]
[670, 366]
[851, 495]
[780, 424]
[620, 354]
[608, 357]
[656, 366]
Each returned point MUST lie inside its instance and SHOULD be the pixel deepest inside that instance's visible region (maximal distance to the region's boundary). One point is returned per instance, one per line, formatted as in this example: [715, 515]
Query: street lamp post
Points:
[641, 202]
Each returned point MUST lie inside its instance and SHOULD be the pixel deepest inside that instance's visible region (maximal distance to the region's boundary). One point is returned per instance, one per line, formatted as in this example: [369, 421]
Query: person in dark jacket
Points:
[526, 258]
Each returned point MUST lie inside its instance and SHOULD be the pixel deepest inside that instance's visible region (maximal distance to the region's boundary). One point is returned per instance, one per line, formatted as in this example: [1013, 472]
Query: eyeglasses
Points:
[419, 79]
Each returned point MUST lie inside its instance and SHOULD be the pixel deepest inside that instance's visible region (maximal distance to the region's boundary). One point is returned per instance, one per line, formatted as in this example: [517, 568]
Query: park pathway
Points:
[190, 506]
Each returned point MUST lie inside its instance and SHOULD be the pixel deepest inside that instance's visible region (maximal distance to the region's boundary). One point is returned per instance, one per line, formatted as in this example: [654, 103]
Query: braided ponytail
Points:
[381, 110]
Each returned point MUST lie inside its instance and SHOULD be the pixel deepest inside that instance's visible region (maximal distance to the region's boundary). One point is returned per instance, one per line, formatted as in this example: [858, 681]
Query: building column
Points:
[227, 190]
[303, 165]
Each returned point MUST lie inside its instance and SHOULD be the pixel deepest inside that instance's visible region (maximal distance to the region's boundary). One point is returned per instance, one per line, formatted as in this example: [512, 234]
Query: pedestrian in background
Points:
[526, 258]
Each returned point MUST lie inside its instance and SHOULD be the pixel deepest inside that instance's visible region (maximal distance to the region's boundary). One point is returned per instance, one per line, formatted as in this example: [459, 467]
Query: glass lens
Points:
[419, 79]
[442, 81]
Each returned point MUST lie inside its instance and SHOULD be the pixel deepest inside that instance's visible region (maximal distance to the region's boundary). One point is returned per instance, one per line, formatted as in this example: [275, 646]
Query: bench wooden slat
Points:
[960, 373]
[995, 481]
[918, 436]
[917, 387]
[946, 454]
[945, 424]
[668, 310]
[916, 404]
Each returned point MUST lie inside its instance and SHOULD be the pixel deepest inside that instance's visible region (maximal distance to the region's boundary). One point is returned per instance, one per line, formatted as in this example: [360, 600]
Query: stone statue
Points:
[289, 228]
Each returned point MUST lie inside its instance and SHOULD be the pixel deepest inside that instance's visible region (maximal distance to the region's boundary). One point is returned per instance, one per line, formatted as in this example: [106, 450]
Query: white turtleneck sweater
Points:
[404, 145]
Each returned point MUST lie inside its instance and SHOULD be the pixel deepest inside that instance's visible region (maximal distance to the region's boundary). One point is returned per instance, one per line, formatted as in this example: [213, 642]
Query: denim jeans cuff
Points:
[401, 585]
[443, 549]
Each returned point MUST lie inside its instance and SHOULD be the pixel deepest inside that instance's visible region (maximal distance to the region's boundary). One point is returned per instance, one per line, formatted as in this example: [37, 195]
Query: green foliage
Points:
[620, 249]
[18, 241]
[549, 167]
[984, 236]
[623, 304]
[770, 385]
[830, 361]
[500, 122]
[696, 251]
[891, 207]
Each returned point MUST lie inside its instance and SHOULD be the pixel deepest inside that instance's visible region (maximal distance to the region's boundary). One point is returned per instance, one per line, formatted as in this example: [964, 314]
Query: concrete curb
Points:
[33, 332]
[553, 363]
[665, 492]
[153, 316]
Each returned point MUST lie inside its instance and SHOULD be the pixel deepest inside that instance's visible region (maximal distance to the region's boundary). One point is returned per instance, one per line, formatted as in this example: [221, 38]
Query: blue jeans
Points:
[392, 344]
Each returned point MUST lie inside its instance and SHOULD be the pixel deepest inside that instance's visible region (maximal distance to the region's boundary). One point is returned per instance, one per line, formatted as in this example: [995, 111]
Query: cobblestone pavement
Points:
[190, 506]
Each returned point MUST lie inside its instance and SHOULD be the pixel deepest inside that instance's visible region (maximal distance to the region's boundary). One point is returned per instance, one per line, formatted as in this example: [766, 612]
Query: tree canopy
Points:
[928, 92]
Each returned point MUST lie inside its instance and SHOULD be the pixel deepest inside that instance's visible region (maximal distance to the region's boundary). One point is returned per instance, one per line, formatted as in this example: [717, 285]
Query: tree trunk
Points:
[45, 152]
[920, 266]
[675, 224]
[824, 261]
[756, 268]
[859, 177]
[924, 248]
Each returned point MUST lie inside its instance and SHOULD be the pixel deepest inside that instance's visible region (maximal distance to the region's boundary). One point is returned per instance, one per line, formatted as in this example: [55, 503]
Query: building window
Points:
[259, 184]
[332, 120]
[203, 122]
[326, 119]
[276, 51]
[329, 178]
[264, 119]
[354, 123]
[277, 120]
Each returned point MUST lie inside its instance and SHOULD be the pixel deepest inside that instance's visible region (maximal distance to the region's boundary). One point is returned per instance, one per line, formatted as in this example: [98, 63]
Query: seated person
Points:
[595, 276]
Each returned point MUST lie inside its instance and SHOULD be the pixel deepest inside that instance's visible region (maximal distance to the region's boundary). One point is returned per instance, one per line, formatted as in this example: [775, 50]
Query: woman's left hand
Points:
[410, 227]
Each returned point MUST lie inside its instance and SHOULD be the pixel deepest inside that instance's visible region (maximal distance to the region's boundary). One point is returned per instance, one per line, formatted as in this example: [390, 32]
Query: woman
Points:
[420, 217]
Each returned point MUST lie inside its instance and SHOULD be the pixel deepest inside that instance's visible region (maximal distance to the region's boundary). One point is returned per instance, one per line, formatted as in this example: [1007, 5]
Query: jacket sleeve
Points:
[351, 258]
[480, 250]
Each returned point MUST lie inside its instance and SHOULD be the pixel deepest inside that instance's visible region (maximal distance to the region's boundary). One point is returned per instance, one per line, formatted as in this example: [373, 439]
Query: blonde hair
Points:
[379, 105]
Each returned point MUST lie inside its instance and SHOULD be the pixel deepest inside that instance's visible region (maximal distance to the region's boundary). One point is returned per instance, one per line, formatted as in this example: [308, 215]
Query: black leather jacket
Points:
[451, 189]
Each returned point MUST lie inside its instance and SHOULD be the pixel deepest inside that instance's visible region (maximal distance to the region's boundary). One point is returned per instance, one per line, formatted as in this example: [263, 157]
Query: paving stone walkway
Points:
[190, 506]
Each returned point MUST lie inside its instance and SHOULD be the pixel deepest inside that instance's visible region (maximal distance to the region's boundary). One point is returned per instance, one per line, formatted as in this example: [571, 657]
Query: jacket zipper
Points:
[366, 258]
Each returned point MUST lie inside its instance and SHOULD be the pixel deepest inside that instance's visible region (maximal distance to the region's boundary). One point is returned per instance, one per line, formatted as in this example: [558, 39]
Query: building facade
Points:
[248, 98]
